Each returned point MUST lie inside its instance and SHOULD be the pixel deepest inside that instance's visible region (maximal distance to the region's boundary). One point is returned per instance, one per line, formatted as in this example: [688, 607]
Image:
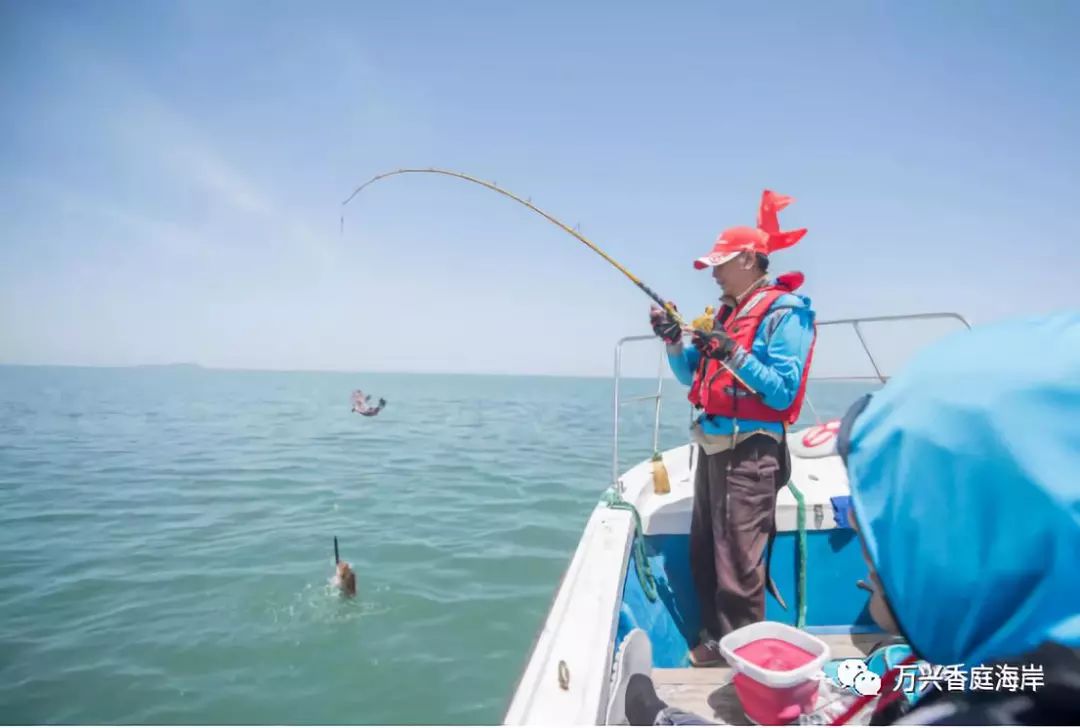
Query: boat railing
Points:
[619, 402]
[879, 376]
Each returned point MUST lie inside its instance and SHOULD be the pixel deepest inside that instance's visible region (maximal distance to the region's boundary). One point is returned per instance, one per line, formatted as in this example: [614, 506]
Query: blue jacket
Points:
[963, 473]
[773, 367]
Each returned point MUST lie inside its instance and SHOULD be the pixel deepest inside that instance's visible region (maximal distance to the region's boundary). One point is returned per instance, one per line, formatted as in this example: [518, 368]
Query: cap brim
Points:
[847, 423]
[714, 259]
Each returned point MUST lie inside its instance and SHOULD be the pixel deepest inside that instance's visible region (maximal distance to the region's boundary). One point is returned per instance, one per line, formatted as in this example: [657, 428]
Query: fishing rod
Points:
[665, 305]
[528, 203]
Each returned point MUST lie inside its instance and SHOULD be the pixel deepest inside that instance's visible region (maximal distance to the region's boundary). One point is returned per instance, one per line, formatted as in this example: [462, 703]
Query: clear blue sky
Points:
[171, 173]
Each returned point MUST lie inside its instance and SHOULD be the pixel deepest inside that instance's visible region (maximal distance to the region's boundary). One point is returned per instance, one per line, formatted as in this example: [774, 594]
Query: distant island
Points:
[181, 365]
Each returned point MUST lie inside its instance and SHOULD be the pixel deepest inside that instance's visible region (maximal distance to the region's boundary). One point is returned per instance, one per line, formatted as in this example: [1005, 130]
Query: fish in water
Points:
[344, 577]
[362, 404]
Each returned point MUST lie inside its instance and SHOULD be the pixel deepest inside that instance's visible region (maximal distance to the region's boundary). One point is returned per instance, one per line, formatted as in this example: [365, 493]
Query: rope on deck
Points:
[800, 516]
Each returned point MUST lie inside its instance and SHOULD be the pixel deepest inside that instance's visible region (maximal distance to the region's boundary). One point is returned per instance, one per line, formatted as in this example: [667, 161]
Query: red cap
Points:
[764, 239]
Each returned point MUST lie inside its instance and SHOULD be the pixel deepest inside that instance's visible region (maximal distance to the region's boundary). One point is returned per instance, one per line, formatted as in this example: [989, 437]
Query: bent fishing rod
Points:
[665, 305]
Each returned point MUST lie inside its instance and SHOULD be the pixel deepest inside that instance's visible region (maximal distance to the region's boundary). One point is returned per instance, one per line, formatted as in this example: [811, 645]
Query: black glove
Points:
[665, 326]
[713, 344]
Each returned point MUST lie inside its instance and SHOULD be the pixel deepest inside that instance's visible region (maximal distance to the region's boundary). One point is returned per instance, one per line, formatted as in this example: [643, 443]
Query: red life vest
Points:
[717, 392]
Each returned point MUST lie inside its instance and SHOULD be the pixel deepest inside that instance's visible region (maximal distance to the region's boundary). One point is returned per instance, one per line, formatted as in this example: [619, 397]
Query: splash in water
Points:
[365, 404]
[322, 604]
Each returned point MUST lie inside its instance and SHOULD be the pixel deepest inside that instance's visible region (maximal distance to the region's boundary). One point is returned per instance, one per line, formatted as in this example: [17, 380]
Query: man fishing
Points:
[747, 378]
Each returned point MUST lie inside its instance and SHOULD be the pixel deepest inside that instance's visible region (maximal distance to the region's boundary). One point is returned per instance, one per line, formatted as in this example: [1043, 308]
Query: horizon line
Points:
[203, 367]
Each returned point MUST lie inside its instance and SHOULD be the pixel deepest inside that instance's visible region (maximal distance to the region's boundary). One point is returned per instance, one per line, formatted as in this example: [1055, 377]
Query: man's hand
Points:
[713, 344]
[664, 325]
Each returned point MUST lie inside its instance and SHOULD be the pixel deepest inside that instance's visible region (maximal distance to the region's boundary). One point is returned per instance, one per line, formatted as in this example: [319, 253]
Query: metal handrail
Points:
[854, 322]
[880, 376]
[898, 317]
[616, 481]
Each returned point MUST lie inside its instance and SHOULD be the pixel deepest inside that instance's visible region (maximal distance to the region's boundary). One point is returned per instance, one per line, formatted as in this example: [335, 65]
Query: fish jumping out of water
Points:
[344, 577]
[362, 404]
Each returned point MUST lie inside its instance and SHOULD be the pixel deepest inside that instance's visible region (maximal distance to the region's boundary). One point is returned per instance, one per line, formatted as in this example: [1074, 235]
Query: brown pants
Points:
[734, 517]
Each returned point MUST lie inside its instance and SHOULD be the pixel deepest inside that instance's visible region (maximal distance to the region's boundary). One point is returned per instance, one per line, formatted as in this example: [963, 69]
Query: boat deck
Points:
[709, 692]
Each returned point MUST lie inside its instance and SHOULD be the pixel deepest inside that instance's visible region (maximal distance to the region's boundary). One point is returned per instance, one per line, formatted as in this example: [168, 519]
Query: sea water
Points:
[166, 539]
